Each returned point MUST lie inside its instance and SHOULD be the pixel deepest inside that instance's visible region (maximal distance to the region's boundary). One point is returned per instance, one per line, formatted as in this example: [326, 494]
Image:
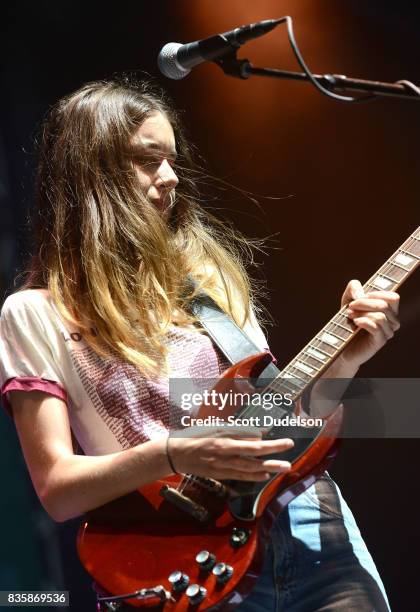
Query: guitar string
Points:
[335, 324]
[316, 342]
[332, 326]
[387, 267]
[387, 270]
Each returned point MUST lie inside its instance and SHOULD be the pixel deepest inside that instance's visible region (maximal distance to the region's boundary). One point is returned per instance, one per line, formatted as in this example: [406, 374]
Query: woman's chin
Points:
[163, 205]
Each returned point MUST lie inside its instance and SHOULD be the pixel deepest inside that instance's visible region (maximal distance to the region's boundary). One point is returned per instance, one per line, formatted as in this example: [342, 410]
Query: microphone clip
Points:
[233, 66]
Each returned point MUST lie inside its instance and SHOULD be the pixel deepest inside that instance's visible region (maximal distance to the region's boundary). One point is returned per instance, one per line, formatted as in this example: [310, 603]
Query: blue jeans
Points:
[317, 560]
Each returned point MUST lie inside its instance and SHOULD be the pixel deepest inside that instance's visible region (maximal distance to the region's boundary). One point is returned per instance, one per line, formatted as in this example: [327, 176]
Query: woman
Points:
[89, 342]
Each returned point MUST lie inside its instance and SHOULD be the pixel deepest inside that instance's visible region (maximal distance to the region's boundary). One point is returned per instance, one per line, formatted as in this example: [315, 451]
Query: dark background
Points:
[347, 188]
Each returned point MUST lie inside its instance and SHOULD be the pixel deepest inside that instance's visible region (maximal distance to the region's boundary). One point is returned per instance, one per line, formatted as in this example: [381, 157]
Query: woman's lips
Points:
[163, 202]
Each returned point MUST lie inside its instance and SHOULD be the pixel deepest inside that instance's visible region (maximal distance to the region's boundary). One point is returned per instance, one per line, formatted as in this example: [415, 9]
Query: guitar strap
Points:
[231, 339]
[236, 345]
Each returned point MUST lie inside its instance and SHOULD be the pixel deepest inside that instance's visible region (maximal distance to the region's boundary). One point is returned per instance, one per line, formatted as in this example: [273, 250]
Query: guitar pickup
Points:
[184, 503]
[214, 486]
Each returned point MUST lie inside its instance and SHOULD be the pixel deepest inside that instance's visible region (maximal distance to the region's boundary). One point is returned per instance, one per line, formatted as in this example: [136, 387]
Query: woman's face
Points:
[155, 155]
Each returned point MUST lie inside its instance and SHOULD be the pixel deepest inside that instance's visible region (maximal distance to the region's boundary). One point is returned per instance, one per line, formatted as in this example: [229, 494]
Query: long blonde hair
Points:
[114, 267]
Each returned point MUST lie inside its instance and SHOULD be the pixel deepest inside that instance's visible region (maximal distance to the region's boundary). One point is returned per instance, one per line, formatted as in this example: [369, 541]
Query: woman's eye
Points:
[153, 161]
[148, 160]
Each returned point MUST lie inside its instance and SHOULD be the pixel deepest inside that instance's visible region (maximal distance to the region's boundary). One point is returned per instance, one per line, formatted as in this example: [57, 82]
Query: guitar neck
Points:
[325, 347]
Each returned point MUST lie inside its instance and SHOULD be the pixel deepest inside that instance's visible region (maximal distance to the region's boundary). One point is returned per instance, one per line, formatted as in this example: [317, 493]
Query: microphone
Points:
[176, 60]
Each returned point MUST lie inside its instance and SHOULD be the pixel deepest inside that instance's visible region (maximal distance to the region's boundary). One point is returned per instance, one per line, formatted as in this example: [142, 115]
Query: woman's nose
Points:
[167, 175]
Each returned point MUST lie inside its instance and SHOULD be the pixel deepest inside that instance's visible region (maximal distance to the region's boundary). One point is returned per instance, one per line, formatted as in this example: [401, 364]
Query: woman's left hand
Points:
[375, 312]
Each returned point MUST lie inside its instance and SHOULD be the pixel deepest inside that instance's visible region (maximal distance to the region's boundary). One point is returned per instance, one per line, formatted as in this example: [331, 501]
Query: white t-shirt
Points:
[111, 406]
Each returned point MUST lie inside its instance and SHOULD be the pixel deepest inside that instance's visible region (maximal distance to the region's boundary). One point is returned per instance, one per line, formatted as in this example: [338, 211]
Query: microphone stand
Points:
[243, 69]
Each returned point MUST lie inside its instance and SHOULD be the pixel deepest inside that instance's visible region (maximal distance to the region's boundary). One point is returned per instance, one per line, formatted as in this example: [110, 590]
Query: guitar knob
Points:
[179, 581]
[239, 537]
[205, 560]
[196, 594]
[223, 572]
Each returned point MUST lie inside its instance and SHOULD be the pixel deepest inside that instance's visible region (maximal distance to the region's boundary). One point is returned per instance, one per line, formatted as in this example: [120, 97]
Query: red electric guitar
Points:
[190, 543]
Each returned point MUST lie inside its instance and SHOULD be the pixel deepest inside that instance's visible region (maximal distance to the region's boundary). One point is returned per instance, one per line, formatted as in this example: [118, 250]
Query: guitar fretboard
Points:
[321, 351]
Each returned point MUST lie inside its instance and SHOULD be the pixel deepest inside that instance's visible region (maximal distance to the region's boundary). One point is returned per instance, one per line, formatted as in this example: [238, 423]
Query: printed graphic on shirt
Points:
[137, 409]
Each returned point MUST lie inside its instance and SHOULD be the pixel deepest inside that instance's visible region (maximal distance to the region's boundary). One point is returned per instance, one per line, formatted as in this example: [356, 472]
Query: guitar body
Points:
[139, 540]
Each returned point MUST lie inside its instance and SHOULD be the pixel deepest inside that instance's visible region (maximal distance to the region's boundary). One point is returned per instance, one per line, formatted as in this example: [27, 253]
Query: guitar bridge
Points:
[214, 486]
[184, 503]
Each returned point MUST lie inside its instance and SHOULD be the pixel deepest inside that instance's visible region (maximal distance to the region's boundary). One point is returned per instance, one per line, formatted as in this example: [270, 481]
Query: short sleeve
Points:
[27, 359]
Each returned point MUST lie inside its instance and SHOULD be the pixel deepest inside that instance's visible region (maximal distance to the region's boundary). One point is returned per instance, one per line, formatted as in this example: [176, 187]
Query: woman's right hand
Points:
[221, 457]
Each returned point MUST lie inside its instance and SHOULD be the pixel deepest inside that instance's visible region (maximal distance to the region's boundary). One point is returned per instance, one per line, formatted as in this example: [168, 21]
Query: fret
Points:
[344, 319]
[294, 389]
[401, 259]
[317, 354]
[305, 368]
[413, 248]
[299, 375]
[288, 383]
[411, 255]
[313, 361]
[291, 378]
[339, 330]
[325, 348]
[385, 273]
[397, 273]
[397, 265]
[349, 329]
[381, 282]
[292, 392]
[331, 338]
[282, 387]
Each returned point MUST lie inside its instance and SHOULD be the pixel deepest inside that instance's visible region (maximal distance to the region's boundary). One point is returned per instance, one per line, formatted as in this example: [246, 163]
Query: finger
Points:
[353, 291]
[251, 464]
[376, 302]
[392, 318]
[377, 325]
[230, 474]
[394, 322]
[392, 298]
[242, 432]
[260, 448]
[275, 465]
[220, 431]
[369, 304]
